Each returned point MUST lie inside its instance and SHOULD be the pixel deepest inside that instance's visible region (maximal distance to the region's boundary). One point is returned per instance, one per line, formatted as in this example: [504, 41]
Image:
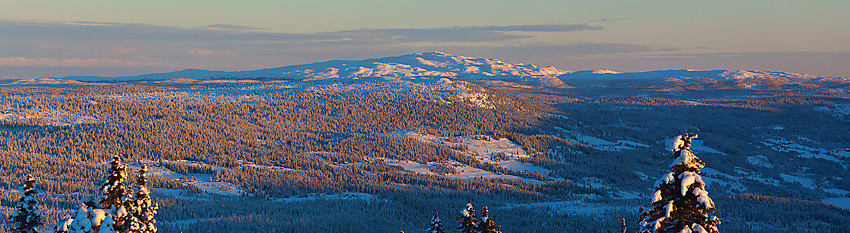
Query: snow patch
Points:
[806, 182]
[482, 147]
[470, 173]
[602, 144]
[759, 160]
[697, 145]
[840, 202]
[784, 145]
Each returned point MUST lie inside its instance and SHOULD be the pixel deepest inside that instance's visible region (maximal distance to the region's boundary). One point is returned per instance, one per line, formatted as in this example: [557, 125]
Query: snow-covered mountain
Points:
[418, 65]
[436, 65]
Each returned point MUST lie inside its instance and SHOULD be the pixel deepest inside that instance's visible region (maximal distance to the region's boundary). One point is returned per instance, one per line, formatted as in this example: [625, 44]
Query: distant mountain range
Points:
[479, 70]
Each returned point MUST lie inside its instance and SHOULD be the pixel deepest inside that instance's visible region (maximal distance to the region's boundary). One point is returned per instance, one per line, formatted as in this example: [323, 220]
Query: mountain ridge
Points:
[444, 65]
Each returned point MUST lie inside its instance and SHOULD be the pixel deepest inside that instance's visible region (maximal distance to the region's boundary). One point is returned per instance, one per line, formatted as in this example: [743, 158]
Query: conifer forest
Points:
[433, 153]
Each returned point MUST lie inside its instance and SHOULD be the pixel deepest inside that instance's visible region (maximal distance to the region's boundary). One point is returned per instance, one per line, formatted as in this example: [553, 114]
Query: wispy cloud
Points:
[206, 52]
[232, 27]
[608, 19]
[75, 62]
[235, 47]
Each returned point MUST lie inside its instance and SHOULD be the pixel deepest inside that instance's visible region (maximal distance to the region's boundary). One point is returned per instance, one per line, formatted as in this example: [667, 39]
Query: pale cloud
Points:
[31, 48]
[122, 50]
[609, 19]
[207, 52]
[224, 46]
[232, 27]
[75, 62]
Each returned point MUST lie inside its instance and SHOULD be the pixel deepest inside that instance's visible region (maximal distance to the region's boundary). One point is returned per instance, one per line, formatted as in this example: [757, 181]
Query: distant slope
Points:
[419, 65]
[481, 70]
[680, 80]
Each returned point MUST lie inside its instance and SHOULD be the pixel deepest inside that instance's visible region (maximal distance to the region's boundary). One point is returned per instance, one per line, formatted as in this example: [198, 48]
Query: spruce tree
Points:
[141, 209]
[436, 225]
[112, 192]
[26, 218]
[487, 225]
[468, 219]
[680, 202]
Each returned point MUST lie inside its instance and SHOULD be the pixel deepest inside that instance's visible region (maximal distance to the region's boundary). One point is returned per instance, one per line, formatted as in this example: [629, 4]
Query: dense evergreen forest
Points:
[286, 154]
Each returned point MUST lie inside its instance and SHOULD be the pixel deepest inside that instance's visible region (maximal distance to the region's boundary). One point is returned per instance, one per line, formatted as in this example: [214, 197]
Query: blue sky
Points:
[108, 37]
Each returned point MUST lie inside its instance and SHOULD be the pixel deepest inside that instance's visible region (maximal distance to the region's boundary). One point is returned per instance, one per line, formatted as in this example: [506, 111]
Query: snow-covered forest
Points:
[374, 154]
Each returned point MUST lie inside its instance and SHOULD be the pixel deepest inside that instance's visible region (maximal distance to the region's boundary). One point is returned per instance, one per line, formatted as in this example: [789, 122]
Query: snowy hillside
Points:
[480, 70]
[419, 65]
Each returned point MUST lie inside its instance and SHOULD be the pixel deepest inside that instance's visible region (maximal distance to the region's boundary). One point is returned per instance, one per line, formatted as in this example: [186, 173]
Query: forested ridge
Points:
[342, 138]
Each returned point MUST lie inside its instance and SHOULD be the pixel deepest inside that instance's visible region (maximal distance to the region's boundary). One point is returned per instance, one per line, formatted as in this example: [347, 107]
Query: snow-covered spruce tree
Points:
[26, 218]
[141, 209]
[436, 225]
[680, 202]
[468, 219]
[107, 225]
[81, 222]
[487, 225]
[112, 192]
[63, 225]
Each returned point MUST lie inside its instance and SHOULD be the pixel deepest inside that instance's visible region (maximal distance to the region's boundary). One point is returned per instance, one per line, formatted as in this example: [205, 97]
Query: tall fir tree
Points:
[436, 225]
[112, 193]
[680, 202]
[26, 218]
[487, 225]
[141, 209]
[468, 219]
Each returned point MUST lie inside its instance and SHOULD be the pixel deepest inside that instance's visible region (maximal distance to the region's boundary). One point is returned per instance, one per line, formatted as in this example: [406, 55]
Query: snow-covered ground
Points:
[52, 117]
[697, 145]
[840, 202]
[203, 182]
[601, 144]
[483, 148]
[784, 145]
[759, 160]
[469, 173]
[806, 182]
[463, 171]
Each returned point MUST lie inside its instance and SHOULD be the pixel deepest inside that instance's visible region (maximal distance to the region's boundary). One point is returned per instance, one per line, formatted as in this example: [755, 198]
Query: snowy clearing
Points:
[52, 117]
[463, 171]
[483, 148]
[785, 145]
[697, 145]
[601, 144]
[201, 181]
[469, 173]
[840, 202]
[759, 160]
[806, 182]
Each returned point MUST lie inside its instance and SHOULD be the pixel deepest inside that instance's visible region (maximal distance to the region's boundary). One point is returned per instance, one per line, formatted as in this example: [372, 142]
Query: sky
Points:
[56, 38]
